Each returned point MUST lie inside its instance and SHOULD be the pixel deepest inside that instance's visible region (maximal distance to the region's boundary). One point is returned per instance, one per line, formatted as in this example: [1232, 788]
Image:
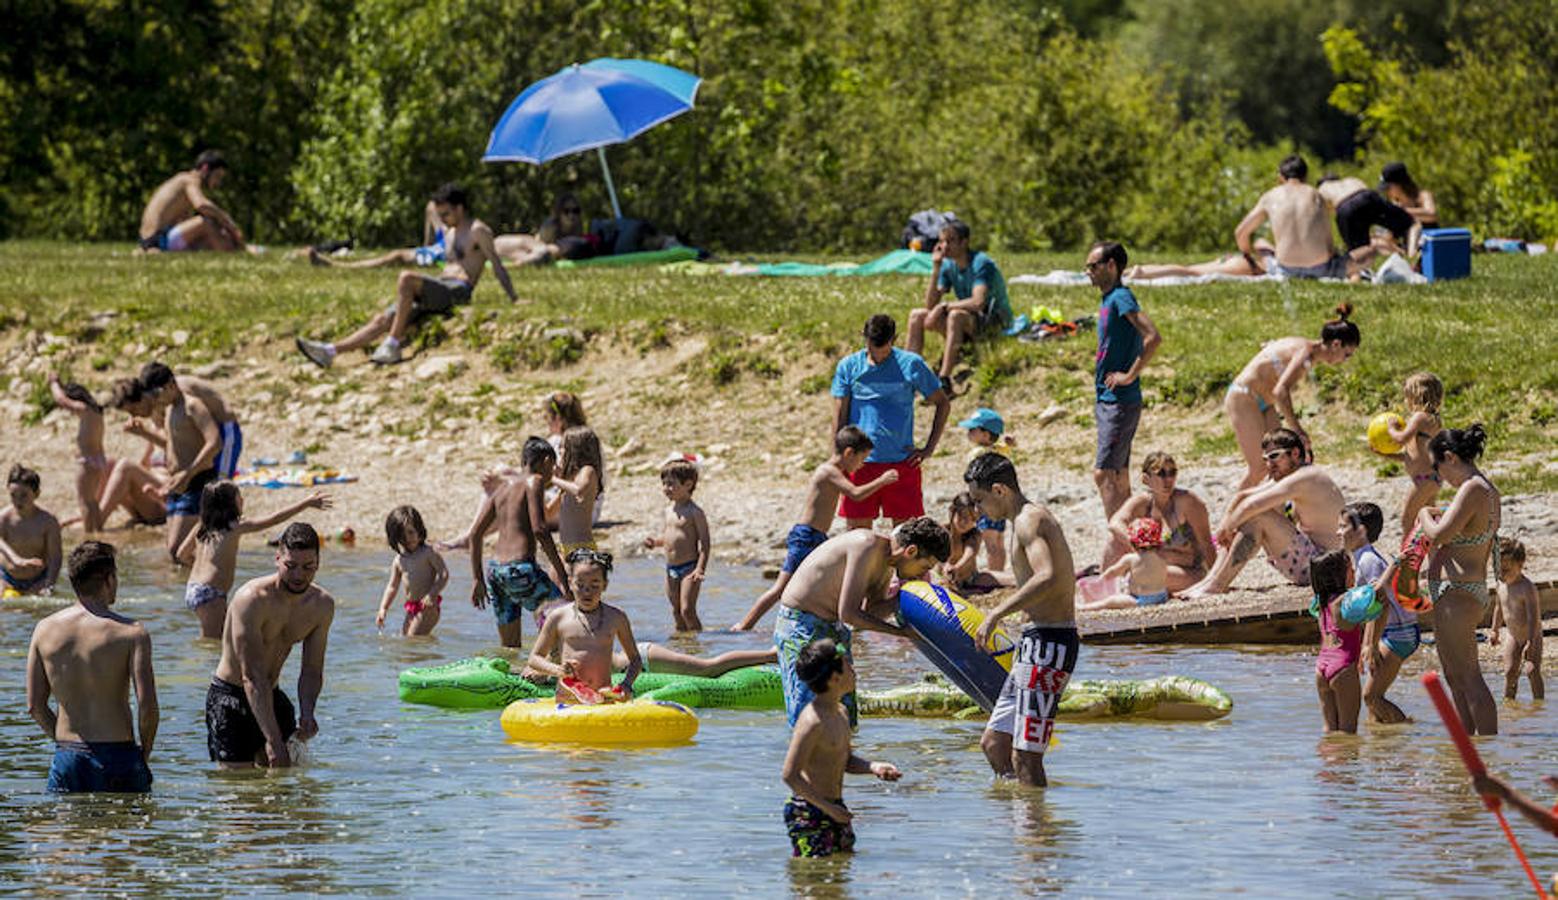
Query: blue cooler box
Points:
[1446, 253]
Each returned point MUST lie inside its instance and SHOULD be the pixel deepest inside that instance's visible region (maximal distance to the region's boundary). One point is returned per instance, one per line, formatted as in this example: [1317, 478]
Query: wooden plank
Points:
[1276, 623]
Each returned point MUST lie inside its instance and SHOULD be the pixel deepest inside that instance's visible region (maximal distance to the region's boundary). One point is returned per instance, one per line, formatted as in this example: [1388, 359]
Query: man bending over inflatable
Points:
[847, 583]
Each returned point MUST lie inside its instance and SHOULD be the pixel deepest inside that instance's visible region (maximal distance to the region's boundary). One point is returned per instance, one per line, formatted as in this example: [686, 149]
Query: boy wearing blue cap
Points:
[985, 430]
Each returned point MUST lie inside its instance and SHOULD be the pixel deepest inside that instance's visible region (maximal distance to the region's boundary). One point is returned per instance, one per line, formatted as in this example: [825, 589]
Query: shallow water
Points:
[400, 799]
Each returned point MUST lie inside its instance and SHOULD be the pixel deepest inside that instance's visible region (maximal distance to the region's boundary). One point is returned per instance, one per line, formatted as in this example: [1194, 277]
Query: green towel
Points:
[646, 258]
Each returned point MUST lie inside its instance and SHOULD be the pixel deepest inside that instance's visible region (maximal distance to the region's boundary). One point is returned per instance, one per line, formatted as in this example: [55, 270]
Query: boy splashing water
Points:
[815, 815]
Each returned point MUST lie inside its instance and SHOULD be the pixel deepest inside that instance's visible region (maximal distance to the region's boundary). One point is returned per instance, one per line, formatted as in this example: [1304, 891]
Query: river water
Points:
[399, 799]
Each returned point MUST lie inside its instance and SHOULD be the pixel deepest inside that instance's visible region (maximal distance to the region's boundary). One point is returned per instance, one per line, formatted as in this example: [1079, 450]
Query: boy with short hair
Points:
[1024, 716]
[89, 657]
[986, 430]
[1520, 608]
[829, 481]
[584, 638]
[29, 537]
[512, 578]
[1390, 638]
[815, 815]
[685, 539]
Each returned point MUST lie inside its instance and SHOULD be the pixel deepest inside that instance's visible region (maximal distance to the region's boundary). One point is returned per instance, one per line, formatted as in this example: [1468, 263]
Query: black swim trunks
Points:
[437, 296]
[1365, 209]
[233, 735]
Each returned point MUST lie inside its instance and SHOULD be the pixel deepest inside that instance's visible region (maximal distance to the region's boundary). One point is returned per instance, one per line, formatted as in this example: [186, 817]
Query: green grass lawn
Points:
[1492, 338]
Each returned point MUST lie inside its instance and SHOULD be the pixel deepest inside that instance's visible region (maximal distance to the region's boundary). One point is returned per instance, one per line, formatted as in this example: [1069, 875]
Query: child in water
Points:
[422, 568]
[211, 549]
[829, 481]
[1424, 393]
[580, 480]
[1341, 643]
[92, 465]
[584, 632]
[815, 816]
[1392, 638]
[685, 539]
[1520, 609]
[1147, 574]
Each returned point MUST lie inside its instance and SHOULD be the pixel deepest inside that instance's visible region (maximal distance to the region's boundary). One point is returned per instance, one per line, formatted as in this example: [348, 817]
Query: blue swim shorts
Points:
[793, 630]
[516, 586]
[113, 767]
[187, 501]
[801, 541]
[986, 523]
[678, 571]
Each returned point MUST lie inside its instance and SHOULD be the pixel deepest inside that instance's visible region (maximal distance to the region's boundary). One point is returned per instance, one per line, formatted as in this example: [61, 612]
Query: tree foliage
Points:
[820, 125]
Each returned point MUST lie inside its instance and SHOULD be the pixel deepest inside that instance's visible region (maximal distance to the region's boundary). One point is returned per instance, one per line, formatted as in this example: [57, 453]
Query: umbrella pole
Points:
[611, 189]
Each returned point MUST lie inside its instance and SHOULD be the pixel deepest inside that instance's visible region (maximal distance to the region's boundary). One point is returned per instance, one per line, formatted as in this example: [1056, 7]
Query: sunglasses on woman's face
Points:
[1166, 473]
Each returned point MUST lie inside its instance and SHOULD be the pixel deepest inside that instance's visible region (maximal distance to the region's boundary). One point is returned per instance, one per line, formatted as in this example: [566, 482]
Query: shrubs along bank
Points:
[339, 115]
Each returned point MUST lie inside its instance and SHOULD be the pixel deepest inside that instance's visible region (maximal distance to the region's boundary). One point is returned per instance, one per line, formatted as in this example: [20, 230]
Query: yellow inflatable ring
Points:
[638, 722]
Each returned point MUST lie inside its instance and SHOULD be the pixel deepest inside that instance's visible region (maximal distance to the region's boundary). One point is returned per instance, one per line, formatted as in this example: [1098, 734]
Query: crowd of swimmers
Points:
[1161, 543]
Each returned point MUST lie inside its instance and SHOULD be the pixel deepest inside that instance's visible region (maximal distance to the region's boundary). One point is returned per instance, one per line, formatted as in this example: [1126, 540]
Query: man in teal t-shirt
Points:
[980, 298]
[1126, 340]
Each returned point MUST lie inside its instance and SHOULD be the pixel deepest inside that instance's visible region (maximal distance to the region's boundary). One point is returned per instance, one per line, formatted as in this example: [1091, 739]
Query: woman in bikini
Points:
[1463, 536]
[1261, 397]
[1187, 529]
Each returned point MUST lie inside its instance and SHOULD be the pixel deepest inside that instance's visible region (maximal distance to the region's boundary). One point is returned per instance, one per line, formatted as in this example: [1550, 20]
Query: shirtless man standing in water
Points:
[88, 657]
[468, 243]
[179, 215]
[1255, 521]
[1300, 224]
[1023, 719]
[248, 718]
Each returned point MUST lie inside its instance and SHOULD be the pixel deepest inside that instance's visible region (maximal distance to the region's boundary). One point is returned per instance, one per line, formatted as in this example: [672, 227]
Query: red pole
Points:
[1473, 761]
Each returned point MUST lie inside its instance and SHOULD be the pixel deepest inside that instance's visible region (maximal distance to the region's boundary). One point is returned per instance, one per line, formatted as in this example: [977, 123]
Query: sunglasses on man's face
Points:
[1271, 455]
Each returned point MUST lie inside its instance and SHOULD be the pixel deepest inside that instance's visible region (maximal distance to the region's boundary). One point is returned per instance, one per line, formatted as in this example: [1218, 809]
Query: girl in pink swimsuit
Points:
[1341, 643]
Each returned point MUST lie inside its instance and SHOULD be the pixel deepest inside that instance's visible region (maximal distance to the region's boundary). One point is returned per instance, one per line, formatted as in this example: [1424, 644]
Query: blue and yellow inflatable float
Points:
[944, 626]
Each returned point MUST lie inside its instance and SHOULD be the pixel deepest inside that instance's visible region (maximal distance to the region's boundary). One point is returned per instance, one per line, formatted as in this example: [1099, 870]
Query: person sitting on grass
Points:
[1300, 226]
[417, 296]
[1401, 189]
[818, 822]
[179, 215]
[1358, 209]
[980, 305]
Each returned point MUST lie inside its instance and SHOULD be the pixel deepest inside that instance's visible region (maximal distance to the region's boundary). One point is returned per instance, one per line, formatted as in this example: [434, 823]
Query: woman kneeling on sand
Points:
[1187, 529]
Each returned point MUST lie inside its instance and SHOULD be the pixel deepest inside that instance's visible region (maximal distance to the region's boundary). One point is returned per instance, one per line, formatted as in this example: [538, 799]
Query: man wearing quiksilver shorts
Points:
[1024, 716]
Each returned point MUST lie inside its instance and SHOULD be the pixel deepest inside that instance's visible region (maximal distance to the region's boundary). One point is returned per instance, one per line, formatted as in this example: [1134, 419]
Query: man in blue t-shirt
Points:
[874, 389]
[979, 303]
[1126, 340]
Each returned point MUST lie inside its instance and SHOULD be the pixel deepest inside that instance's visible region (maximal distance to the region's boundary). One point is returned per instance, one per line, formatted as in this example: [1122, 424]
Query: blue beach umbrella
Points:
[588, 107]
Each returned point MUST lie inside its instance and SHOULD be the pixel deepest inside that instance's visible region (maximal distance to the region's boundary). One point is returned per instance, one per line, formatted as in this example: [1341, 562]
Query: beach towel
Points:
[644, 258]
[283, 478]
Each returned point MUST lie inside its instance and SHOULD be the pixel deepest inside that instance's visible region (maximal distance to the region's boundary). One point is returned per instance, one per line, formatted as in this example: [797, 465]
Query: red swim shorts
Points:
[899, 500]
